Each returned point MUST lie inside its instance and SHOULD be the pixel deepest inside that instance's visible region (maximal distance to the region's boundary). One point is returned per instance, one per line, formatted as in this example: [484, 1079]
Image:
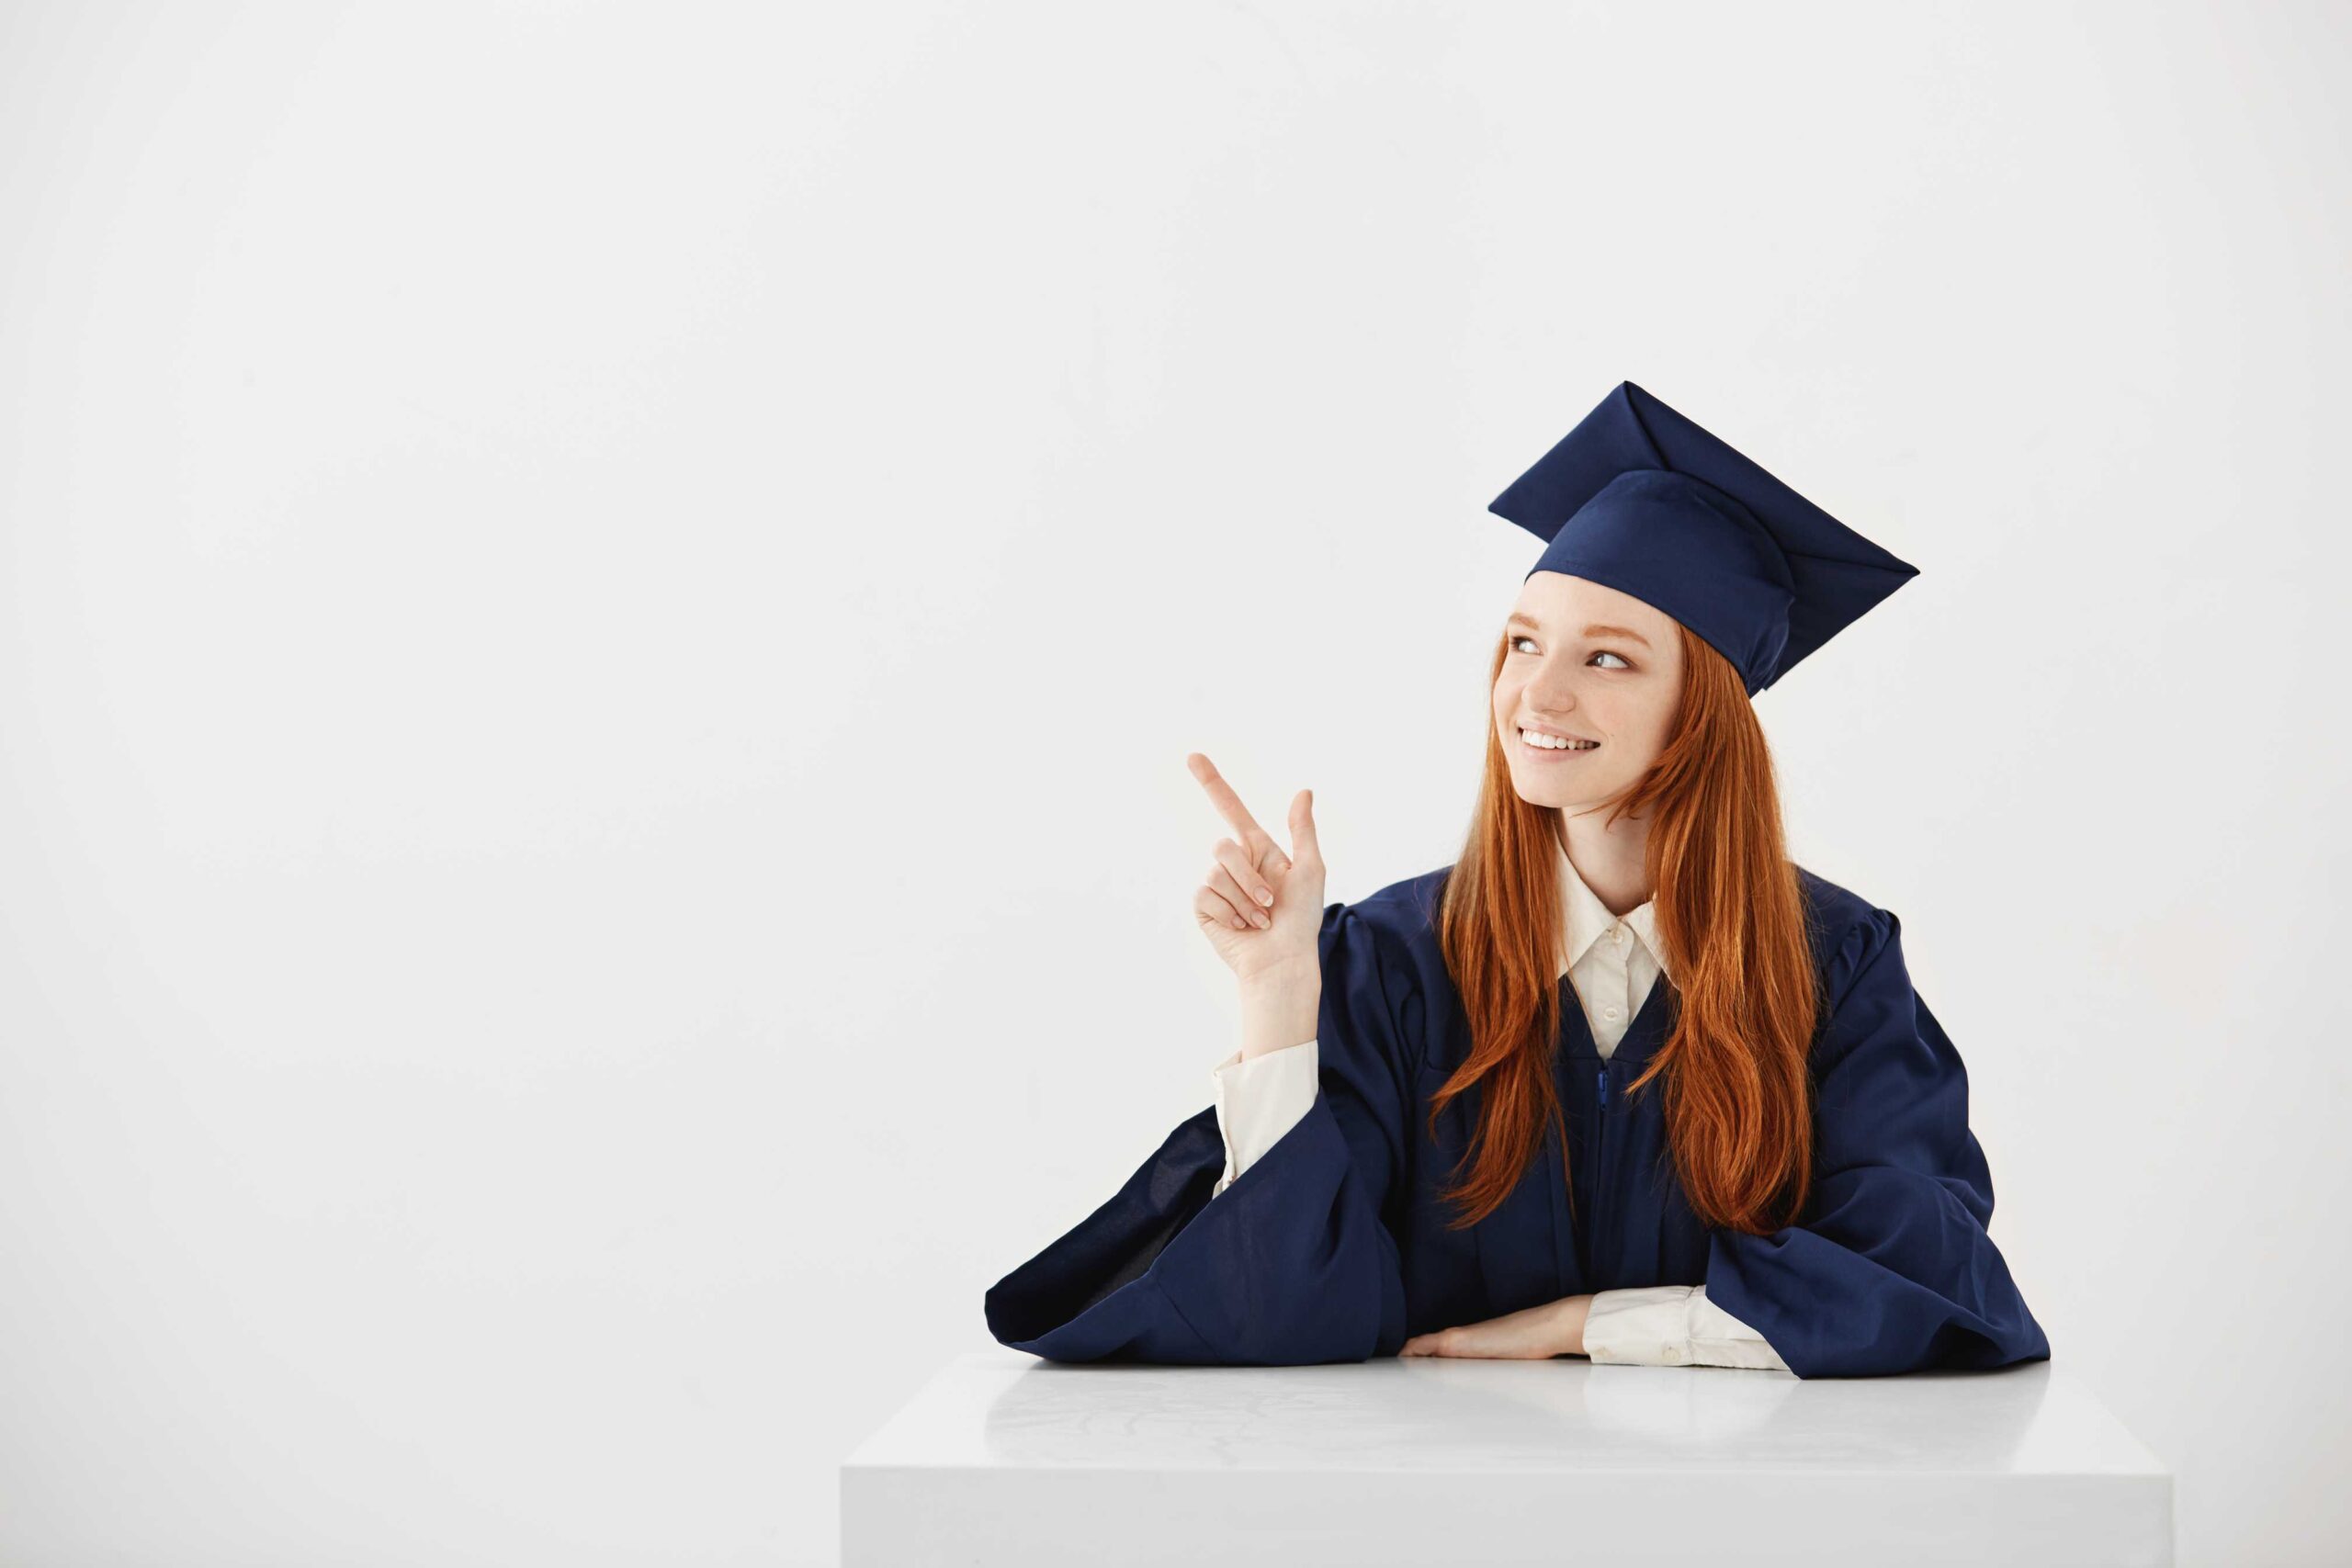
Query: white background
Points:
[604, 607]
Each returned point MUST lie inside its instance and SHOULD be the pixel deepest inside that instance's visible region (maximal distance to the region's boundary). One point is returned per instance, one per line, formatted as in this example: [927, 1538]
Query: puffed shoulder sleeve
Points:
[1890, 1267]
[1295, 1262]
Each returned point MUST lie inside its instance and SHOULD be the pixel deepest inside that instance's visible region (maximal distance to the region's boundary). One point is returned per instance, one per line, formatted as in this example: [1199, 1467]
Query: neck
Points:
[1612, 858]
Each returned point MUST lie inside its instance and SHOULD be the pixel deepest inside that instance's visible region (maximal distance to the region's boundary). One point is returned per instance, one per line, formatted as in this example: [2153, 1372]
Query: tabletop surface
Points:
[1003, 1410]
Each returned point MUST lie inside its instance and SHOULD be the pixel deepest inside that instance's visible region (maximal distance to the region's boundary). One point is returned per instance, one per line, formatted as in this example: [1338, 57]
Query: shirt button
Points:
[1609, 1012]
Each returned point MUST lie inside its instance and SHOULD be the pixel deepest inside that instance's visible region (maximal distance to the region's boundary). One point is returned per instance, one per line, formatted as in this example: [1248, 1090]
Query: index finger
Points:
[1228, 804]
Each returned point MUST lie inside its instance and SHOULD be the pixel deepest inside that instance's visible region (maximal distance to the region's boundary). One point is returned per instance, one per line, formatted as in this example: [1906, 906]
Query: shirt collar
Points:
[1586, 920]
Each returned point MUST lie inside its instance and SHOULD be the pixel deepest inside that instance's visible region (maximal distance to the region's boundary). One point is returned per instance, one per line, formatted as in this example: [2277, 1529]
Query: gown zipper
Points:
[1595, 1197]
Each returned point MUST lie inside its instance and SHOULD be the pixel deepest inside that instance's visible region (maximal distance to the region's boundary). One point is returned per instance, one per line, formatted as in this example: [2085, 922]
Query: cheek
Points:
[1645, 730]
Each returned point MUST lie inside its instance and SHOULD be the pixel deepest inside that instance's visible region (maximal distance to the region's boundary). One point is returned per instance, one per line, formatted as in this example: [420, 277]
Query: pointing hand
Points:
[1260, 909]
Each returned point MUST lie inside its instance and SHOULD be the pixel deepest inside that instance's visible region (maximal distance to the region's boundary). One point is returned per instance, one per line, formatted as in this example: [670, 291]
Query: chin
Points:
[1556, 793]
[1548, 795]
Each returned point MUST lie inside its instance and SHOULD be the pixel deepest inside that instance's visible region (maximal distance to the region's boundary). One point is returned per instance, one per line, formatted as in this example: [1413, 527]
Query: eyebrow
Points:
[1595, 629]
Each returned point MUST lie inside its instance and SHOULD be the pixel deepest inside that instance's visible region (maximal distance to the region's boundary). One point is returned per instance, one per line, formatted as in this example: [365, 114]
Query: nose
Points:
[1548, 695]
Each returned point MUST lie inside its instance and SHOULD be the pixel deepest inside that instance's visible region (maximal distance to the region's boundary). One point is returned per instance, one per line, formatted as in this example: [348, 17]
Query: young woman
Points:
[1623, 1081]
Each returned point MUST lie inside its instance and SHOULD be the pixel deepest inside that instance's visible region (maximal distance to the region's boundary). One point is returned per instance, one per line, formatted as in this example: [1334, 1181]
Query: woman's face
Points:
[1594, 663]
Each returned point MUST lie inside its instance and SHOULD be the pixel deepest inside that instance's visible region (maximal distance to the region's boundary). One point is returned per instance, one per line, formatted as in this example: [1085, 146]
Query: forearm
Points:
[1572, 1311]
[1278, 1011]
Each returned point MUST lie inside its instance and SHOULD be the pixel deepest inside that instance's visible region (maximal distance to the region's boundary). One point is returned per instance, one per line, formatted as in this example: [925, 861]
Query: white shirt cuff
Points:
[1259, 1101]
[1672, 1326]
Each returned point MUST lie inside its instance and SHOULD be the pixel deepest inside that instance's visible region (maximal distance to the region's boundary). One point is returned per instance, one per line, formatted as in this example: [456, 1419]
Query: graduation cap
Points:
[1639, 498]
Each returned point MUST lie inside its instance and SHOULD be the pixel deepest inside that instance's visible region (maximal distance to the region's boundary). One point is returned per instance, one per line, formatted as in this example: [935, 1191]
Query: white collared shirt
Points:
[1614, 962]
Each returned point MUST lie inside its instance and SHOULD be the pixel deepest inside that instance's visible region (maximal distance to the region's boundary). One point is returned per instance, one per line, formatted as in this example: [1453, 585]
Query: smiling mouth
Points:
[1574, 748]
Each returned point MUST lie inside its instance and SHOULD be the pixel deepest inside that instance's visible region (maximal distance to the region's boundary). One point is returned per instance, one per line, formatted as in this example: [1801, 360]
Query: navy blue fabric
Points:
[1641, 499]
[1329, 1247]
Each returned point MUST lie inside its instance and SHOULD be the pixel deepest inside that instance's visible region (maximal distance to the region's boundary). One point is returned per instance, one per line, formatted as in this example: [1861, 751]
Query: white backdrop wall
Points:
[604, 606]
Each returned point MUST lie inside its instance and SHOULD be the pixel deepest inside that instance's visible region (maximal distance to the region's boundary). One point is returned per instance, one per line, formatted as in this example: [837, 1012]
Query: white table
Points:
[1004, 1458]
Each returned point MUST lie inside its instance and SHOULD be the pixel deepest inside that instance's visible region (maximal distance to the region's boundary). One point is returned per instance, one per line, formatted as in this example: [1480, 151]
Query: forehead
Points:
[1552, 597]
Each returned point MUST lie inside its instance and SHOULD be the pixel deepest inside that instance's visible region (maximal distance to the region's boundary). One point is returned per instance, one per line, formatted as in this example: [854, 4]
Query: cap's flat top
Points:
[1003, 1410]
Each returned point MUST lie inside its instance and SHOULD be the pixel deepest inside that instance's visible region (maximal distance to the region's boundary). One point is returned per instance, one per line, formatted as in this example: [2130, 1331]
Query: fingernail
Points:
[1265, 897]
[1263, 923]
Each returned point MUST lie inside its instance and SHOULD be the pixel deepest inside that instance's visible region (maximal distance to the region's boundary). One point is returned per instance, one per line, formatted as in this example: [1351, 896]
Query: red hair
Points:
[1730, 920]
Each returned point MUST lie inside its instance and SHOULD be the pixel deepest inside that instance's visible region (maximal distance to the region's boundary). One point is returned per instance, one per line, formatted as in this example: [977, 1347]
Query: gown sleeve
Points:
[1294, 1263]
[1890, 1267]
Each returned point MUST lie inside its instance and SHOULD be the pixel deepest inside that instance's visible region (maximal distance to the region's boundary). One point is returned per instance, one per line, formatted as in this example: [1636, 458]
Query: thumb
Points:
[1302, 841]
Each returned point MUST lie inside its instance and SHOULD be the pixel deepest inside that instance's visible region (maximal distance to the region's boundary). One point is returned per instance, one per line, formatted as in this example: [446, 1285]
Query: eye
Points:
[1602, 653]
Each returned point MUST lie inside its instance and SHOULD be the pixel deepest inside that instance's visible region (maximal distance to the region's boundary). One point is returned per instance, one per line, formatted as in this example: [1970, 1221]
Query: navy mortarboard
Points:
[1641, 499]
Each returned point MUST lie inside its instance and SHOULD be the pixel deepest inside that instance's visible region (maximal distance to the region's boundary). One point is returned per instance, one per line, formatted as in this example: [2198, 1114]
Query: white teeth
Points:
[1553, 743]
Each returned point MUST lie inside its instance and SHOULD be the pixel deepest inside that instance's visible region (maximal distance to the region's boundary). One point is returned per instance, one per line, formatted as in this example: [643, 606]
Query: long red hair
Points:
[1730, 918]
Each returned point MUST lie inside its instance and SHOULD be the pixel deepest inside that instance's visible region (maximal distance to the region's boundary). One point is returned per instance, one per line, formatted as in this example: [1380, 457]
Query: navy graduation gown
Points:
[1332, 1247]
